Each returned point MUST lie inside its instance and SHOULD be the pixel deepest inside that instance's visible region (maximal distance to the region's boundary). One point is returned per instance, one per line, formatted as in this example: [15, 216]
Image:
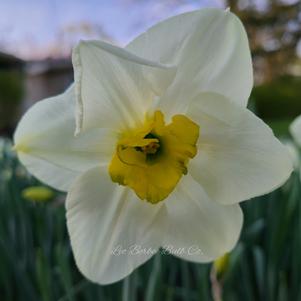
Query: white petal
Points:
[294, 153]
[54, 176]
[200, 229]
[46, 144]
[210, 49]
[113, 86]
[295, 130]
[102, 217]
[238, 155]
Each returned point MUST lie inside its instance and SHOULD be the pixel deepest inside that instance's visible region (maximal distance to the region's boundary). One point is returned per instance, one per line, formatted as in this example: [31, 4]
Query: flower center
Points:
[151, 159]
[152, 148]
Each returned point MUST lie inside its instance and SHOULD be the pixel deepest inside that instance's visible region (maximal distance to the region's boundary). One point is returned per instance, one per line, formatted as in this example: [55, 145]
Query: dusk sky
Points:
[40, 28]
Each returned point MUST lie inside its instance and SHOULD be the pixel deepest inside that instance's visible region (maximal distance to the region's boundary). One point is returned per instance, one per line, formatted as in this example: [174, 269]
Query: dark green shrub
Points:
[11, 92]
[279, 99]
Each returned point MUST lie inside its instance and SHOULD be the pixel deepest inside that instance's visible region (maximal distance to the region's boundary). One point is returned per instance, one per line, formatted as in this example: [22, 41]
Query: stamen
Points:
[151, 148]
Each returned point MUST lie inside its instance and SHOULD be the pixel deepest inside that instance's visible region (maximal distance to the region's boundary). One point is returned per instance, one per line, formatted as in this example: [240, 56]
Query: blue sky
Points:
[33, 28]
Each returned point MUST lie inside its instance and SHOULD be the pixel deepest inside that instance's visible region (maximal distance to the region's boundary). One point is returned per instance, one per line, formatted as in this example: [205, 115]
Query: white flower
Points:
[166, 118]
[295, 130]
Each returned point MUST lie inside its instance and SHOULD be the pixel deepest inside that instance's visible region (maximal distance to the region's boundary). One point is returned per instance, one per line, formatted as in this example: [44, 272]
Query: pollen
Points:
[152, 159]
[151, 148]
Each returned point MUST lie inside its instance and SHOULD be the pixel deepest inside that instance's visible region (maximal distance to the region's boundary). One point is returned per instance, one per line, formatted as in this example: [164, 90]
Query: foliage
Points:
[279, 99]
[11, 86]
[11, 92]
[274, 32]
[36, 262]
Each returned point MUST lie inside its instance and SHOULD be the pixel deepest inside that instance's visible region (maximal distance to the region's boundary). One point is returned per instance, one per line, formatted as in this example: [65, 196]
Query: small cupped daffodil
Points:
[37, 193]
[154, 144]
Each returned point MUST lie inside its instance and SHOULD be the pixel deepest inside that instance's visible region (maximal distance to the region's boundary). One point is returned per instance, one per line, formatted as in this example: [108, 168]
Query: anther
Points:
[151, 148]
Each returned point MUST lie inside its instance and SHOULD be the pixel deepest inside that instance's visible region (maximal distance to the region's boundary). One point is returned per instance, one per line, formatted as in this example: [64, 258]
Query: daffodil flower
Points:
[295, 131]
[164, 147]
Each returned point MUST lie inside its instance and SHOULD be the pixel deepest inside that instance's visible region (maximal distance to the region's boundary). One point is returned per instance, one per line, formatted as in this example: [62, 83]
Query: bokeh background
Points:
[36, 263]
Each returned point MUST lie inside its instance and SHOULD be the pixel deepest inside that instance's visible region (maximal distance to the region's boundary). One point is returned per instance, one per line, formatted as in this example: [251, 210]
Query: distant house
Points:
[24, 83]
[46, 78]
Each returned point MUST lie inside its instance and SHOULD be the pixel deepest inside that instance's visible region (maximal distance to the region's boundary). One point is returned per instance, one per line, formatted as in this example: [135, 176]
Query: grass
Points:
[36, 261]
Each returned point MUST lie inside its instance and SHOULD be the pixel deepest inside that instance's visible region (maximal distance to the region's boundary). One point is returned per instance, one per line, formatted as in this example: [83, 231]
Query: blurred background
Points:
[36, 263]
